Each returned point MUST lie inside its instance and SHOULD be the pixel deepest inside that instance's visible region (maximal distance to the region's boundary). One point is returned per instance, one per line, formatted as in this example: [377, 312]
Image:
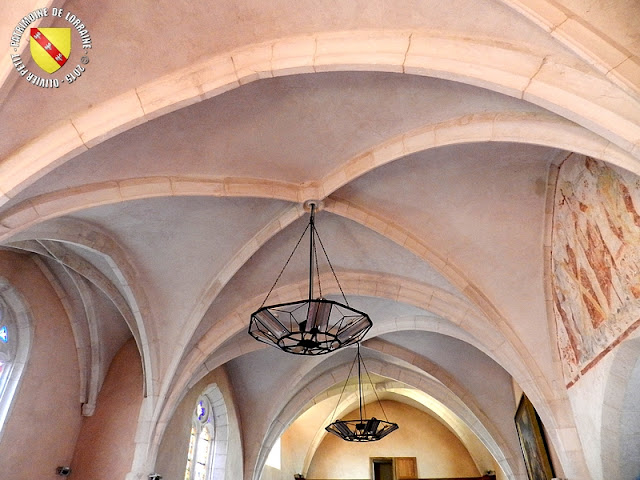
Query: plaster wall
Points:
[439, 453]
[587, 397]
[44, 420]
[297, 439]
[106, 443]
[172, 453]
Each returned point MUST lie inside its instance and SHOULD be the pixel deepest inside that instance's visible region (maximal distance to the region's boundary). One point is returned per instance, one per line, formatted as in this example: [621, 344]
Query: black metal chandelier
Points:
[313, 326]
[361, 429]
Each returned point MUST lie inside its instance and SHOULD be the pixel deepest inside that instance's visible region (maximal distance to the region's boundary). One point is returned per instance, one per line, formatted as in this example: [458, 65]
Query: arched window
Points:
[203, 454]
[8, 344]
[15, 342]
[208, 437]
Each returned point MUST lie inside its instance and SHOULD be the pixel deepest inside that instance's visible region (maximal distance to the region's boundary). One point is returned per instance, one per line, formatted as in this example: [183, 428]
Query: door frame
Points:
[374, 460]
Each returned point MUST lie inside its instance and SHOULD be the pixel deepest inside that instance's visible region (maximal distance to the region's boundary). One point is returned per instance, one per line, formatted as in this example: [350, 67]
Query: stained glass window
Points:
[201, 411]
[203, 450]
[190, 452]
[200, 442]
[7, 346]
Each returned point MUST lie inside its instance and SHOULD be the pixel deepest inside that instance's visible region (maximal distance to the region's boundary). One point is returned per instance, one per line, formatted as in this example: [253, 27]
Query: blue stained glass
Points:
[201, 410]
[4, 334]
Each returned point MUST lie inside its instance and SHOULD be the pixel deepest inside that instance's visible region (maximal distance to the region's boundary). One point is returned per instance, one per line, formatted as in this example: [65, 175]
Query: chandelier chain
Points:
[333, 417]
[359, 357]
[363, 428]
[285, 266]
[312, 248]
[333, 271]
[315, 254]
[373, 387]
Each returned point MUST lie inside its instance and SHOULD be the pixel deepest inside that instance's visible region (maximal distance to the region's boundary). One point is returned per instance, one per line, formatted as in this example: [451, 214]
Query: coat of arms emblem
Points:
[50, 47]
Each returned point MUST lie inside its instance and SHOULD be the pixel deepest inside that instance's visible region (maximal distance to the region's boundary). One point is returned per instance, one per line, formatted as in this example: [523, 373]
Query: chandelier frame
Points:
[361, 429]
[311, 326]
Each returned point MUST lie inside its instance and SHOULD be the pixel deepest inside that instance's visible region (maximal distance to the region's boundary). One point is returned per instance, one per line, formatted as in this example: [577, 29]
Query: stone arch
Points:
[562, 24]
[539, 128]
[219, 423]
[81, 331]
[84, 323]
[424, 382]
[128, 294]
[577, 35]
[547, 397]
[441, 379]
[76, 232]
[235, 263]
[488, 334]
[587, 99]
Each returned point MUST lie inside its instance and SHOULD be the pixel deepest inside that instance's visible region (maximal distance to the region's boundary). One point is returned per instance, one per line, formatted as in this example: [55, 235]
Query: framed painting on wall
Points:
[534, 448]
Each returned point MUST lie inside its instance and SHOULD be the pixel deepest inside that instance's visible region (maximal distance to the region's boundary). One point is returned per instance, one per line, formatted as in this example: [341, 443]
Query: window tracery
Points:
[207, 439]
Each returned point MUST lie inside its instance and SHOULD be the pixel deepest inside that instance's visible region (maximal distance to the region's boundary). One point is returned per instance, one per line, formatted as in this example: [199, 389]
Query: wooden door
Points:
[405, 468]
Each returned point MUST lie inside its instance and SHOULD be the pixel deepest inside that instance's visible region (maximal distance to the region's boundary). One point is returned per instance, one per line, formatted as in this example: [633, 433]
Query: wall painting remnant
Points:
[595, 261]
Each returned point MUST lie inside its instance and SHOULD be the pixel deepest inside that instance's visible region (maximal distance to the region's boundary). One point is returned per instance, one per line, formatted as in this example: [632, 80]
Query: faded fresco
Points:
[595, 260]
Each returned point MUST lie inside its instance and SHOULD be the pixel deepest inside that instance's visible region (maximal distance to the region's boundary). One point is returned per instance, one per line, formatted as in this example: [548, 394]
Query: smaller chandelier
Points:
[312, 326]
[361, 429]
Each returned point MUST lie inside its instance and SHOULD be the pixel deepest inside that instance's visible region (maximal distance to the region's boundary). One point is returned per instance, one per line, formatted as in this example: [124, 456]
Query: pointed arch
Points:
[472, 417]
[557, 84]
[208, 440]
